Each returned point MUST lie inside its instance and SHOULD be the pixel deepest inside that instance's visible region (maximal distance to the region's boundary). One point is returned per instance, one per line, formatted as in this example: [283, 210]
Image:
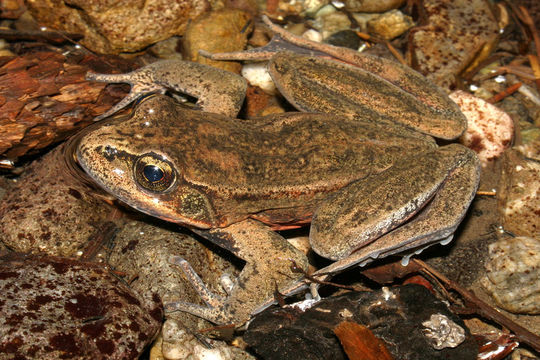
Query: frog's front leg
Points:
[216, 90]
[269, 259]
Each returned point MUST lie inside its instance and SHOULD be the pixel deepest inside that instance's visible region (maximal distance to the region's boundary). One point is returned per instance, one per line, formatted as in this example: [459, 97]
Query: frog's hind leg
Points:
[269, 268]
[436, 222]
[216, 90]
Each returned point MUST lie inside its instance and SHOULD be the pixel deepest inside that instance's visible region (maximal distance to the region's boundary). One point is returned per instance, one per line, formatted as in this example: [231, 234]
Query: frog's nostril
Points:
[109, 152]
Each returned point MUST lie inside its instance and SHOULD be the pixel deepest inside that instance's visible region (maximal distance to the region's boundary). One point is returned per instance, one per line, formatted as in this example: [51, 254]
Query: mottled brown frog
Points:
[370, 187]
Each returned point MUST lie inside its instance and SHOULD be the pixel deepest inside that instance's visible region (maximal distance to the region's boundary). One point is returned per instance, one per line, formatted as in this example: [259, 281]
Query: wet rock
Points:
[376, 6]
[331, 23]
[345, 38]
[54, 308]
[396, 316]
[219, 31]
[518, 194]
[257, 75]
[142, 251]
[119, 26]
[177, 343]
[489, 129]
[512, 274]
[455, 32]
[312, 6]
[390, 24]
[49, 209]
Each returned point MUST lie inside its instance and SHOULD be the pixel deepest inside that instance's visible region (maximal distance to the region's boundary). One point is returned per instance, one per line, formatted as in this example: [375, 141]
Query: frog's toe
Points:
[214, 315]
[211, 299]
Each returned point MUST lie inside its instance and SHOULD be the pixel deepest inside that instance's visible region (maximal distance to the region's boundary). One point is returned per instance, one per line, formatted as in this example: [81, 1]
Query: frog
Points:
[368, 185]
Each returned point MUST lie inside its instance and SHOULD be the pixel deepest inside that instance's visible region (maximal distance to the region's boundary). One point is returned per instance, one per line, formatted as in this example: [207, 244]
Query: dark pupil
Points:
[152, 173]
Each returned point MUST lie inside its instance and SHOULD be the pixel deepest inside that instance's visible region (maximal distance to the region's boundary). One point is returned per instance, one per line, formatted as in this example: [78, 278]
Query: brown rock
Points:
[219, 31]
[372, 6]
[114, 27]
[456, 31]
[49, 210]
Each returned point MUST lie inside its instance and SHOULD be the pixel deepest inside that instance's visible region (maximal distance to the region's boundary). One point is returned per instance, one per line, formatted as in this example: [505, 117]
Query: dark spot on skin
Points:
[84, 306]
[76, 194]
[134, 327]
[45, 236]
[48, 214]
[38, 328]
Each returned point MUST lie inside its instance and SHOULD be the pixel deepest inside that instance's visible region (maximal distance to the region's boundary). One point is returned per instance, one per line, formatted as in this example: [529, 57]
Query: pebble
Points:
[518, 194]
[390, 24]
[142, 251]
[372, 6]
[257, 75]
[218, 31]
[489, 129]
[442, 48]
[512, 274]
[118, 26]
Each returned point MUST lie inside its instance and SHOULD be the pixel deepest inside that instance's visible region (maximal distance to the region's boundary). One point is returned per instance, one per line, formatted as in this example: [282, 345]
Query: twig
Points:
[506, 92]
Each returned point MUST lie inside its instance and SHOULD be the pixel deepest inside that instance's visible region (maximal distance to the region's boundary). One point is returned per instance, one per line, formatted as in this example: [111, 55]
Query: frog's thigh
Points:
[436, 222]
[369, 208]
[269, 258]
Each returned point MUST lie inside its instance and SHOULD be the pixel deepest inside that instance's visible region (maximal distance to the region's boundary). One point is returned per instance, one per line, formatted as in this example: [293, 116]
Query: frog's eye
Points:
[153, 173]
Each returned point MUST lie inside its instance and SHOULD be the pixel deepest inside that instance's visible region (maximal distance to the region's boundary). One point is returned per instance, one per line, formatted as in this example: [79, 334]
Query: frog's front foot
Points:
[269, 259]
[216, 306]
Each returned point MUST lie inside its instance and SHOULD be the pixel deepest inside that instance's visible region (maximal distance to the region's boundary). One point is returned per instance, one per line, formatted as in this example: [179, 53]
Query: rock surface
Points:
[219, 31]
[50, 210]
[115, 27]
[455, 33]
[55, 308]
[512, 274]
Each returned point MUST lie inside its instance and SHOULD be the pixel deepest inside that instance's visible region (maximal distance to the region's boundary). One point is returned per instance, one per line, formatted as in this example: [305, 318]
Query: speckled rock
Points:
[142, 251]
[50, 210]
[390, 24]
[518, 195]
[489, 129]
[512, 274]
[55, 308]
[118, 26]
[377, 6]
[455, 32]
[177, 343]
[219, 31]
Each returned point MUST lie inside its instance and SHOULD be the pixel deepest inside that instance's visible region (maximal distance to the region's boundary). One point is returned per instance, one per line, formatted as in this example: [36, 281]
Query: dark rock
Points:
[394, 315]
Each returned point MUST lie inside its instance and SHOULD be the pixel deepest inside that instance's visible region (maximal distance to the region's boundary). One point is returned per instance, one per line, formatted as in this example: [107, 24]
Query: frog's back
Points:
[280, 165]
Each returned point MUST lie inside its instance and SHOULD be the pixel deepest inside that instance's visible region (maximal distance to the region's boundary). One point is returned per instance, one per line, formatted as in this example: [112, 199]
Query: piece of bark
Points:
[44, 97]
